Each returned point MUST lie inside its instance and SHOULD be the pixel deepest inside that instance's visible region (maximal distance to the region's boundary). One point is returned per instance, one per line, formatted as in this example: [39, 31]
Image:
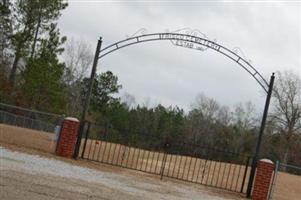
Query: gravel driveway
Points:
[30, 177]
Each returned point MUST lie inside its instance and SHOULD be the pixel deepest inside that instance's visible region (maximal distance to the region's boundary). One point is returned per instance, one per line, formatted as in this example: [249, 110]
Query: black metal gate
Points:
[166, 158]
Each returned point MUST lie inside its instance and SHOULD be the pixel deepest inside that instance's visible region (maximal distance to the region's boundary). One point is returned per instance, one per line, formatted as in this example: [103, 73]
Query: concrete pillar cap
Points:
[72, 119]
[266, 160]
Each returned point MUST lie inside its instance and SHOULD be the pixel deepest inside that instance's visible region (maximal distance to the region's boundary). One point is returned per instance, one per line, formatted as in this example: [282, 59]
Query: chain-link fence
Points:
[286, 182]
[26, 118]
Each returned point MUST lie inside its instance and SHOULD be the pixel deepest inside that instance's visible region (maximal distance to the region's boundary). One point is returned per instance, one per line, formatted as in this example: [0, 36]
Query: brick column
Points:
[263, 179]
[68, 136]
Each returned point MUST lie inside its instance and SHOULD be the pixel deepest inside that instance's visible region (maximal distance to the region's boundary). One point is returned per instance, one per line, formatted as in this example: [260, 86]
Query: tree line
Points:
[43, 70]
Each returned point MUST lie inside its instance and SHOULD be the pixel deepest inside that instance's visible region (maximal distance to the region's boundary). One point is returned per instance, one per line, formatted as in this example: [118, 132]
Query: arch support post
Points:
[87, 99]
[259, 138]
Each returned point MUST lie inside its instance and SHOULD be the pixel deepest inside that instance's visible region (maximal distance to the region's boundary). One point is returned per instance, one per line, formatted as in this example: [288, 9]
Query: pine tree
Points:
[5, 34]
[43, 85]
[32, 18]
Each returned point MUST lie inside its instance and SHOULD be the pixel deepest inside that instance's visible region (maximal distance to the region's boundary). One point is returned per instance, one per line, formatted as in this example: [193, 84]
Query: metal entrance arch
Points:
[187, 41]
[191, 41]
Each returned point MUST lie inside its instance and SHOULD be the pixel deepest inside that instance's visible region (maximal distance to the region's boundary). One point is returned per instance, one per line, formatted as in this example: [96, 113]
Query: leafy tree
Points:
[43, 86]
[5, 33]
[46, 12]
[23, 27]
[105, 86]
[30, 19]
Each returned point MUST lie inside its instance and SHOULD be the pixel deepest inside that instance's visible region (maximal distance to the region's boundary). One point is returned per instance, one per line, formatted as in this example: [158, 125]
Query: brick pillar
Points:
[263, 179]
[68, 136]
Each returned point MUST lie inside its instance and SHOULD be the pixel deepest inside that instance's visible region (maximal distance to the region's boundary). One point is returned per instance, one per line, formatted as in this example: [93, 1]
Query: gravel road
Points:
[31, 177]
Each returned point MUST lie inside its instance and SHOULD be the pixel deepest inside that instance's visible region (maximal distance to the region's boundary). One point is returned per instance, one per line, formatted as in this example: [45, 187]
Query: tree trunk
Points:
[285, 157]
[35, 37]
[18, 54]
[13, 71]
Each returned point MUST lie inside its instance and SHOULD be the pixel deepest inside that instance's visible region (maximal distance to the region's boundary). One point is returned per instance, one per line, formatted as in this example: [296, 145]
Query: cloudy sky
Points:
[269, 34]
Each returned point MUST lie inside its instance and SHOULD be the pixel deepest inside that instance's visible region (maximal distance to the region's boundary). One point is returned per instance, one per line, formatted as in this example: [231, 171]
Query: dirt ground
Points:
[42, 144]
[31, 176]
[39, 140]
[287, 187]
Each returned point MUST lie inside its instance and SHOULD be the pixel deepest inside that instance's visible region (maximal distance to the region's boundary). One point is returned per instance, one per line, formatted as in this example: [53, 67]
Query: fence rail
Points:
[26, 118]
[289, 168]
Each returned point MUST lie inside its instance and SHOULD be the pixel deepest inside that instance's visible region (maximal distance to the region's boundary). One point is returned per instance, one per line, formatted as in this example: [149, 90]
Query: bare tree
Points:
[128, 99]
[202, 117]
[244, 116]
[224, 115]
[78, 57]
[208, 107]
[243, 122]
[286, 113]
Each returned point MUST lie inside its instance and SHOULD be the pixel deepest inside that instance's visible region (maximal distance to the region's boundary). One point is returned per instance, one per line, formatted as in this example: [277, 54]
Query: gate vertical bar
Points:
[163, 166]
[259, 138]
[86, 138]
[166, 145]
[245, 174]
[87, 99]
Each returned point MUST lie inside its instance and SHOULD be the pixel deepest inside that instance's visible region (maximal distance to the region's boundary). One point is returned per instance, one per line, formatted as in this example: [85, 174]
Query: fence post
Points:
[273, 180]
[166, 145]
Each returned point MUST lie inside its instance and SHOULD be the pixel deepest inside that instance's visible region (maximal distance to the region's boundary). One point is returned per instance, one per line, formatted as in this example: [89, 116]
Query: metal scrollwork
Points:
[193, 32]
[141, 31]
[239, 51]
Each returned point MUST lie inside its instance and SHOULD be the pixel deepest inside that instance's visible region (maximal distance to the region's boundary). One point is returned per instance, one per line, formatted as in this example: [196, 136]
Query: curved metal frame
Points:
[189, 39]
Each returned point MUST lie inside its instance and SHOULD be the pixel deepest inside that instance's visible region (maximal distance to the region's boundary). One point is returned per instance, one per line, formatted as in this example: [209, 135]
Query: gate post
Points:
[259, 138]
[86, 139]
[67, 138]
[263, 179]
[87, 99]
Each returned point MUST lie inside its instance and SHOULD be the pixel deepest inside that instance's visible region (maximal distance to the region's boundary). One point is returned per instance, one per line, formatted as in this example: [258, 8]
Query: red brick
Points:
[263, 177]
[68, 136]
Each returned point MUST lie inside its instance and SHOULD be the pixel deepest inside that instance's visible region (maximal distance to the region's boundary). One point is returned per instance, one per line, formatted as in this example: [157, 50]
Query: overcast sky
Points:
[269, 35]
